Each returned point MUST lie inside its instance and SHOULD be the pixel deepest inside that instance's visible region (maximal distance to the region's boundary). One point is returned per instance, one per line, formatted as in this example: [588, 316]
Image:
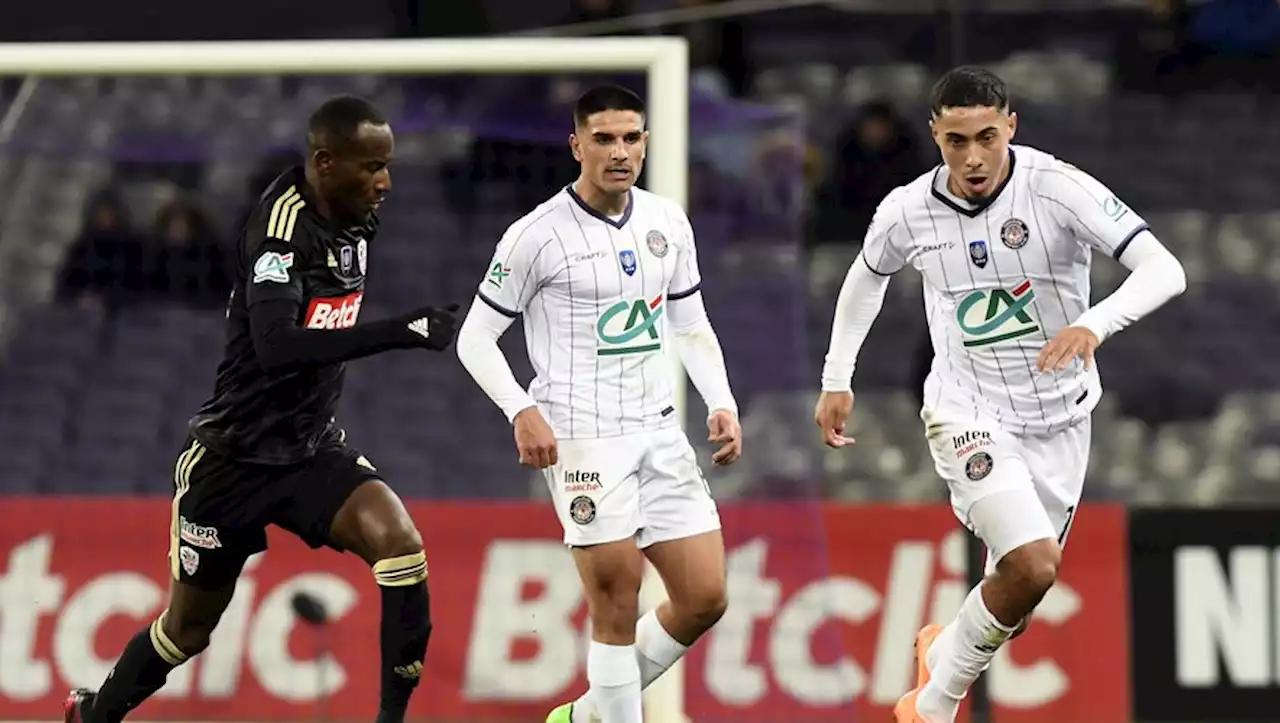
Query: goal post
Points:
[664, 60]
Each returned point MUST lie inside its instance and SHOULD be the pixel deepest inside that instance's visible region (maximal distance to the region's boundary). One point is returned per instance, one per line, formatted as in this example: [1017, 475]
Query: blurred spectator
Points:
[588, 11]
[875, 154]
[187, 261]
[107, 263]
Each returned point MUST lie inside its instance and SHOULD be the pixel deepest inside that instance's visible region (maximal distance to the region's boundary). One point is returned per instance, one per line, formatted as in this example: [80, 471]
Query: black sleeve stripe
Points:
[869, 267]
[284, 214]
[1128, 240]
[684, 294]
[497, 307]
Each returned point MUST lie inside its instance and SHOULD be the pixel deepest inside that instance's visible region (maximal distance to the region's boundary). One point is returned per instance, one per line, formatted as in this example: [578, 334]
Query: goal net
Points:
[124, 172]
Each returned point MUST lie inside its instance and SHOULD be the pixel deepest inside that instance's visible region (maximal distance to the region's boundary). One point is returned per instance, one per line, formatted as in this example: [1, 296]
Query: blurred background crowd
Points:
[121, 198]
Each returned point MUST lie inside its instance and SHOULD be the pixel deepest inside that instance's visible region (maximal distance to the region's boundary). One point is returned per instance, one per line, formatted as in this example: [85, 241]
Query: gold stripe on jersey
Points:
[284, 214]
[181, 483]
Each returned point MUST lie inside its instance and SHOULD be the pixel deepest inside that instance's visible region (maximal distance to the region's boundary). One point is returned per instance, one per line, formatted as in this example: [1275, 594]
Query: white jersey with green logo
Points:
[593, 292]
[1000, 280]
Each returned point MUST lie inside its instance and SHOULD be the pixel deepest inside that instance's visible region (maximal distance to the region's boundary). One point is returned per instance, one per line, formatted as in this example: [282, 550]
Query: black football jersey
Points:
[286, 251]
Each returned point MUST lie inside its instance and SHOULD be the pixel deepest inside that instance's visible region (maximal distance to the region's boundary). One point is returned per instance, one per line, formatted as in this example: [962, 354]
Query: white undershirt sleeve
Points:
[478, 350]
[1155, 277]
[859, 304]
[698, 349]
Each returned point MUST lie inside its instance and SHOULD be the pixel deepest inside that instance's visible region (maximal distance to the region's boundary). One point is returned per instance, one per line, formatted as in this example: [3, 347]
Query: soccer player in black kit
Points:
[264, 450]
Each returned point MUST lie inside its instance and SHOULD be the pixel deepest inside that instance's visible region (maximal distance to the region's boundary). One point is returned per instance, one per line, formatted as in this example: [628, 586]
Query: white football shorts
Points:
[1029, 485]
[647, 486]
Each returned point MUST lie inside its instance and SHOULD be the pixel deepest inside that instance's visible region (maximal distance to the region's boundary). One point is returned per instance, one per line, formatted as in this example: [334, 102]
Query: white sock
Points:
[614, 676]
[656, 651]
[958, 656]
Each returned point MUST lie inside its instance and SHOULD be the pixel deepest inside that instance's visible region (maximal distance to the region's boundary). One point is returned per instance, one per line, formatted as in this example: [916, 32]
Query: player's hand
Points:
[535, 441]
[723, 429]
[433, 328]
[1071, 342]
[830, 414]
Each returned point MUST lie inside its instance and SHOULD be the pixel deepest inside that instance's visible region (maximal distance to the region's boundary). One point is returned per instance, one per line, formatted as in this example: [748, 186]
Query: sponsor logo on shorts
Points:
[582, 509]
[970, 442]
[579, 481]
[413, 671]
[189, 558]
[978, 466]
[198, 535]
[335, 313]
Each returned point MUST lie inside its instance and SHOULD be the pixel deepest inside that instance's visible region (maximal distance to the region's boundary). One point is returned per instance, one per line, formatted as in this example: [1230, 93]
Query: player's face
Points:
[358, 176]
[975, 146]
[610, 146]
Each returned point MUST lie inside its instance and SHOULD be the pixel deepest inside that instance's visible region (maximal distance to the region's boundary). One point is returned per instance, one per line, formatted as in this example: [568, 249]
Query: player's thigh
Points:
[338, 500]
[692, 570]
[218, 517]
[594, 490]
[611, 574]
[675, 497]
[1059, 463]
[991, 487]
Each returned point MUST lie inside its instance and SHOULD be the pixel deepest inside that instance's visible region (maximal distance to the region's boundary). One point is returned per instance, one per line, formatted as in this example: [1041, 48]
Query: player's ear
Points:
[322, 159]
[1013, 125]
[575, 147]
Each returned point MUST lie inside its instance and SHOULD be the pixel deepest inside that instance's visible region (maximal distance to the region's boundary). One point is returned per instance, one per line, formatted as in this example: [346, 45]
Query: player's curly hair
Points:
[969, 86]
[605, 97]
[335, 123]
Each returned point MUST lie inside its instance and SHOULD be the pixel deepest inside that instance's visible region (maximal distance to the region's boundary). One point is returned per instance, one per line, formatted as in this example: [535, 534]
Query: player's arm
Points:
[511, 281]
[273, 296]
[1104, 222]
[862, 296]
[695, 340]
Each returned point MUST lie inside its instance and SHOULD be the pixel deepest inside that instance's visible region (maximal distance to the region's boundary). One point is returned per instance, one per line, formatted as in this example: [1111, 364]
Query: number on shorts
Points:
[1066, 526]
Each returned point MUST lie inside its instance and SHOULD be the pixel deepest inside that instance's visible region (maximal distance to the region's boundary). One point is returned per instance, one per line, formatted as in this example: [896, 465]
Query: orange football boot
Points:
[905, 710]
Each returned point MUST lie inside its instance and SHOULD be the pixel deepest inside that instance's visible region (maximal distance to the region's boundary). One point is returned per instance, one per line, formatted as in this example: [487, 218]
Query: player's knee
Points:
[1033, 567]
[187, 633]
[394, 538]
[703, 607]
[614, 603]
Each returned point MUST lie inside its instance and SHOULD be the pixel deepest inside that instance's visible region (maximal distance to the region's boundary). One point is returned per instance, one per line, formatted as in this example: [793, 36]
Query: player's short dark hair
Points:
[605, 97]
[969, 86]
[335, 123]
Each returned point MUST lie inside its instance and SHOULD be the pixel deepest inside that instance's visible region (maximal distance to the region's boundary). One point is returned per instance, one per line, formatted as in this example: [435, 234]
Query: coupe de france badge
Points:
[628, 260]
[978, 253]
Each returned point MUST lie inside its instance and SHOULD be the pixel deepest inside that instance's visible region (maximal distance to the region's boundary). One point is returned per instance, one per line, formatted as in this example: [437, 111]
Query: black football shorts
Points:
[221, 507]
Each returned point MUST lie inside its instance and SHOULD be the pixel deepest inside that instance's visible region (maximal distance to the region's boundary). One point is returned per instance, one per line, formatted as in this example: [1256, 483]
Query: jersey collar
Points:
[626, 214]
[972, 210]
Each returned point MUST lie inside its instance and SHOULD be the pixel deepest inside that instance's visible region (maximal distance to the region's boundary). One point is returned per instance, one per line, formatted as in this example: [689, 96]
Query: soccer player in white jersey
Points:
[1003, 237]
[599, 272]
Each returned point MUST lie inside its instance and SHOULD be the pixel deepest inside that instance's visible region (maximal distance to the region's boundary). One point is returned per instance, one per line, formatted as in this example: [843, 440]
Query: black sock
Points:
[406, 626]
[141, 671]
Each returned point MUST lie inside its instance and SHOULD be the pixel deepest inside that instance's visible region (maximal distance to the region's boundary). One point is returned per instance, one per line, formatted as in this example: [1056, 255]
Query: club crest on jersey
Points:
[978, 253]
[347, 254]
[657, 243]
[993, 316]
[1014, 234]
[362, 256]
[627, 258]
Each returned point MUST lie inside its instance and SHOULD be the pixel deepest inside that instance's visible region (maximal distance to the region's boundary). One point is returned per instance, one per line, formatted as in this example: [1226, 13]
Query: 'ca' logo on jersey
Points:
[629, 327]
[995, 316]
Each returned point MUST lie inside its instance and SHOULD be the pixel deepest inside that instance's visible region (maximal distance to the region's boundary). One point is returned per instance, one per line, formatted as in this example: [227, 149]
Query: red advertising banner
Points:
[824, 603]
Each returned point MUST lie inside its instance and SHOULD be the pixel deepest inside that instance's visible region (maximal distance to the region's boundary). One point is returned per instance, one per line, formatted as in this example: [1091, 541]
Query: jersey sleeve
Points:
[514, 274]
[1091, 211]
[687, 278]
[269, 265]
[883, 250]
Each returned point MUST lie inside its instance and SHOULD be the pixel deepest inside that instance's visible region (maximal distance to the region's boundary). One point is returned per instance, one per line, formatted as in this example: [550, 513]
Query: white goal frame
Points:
[664, 60]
